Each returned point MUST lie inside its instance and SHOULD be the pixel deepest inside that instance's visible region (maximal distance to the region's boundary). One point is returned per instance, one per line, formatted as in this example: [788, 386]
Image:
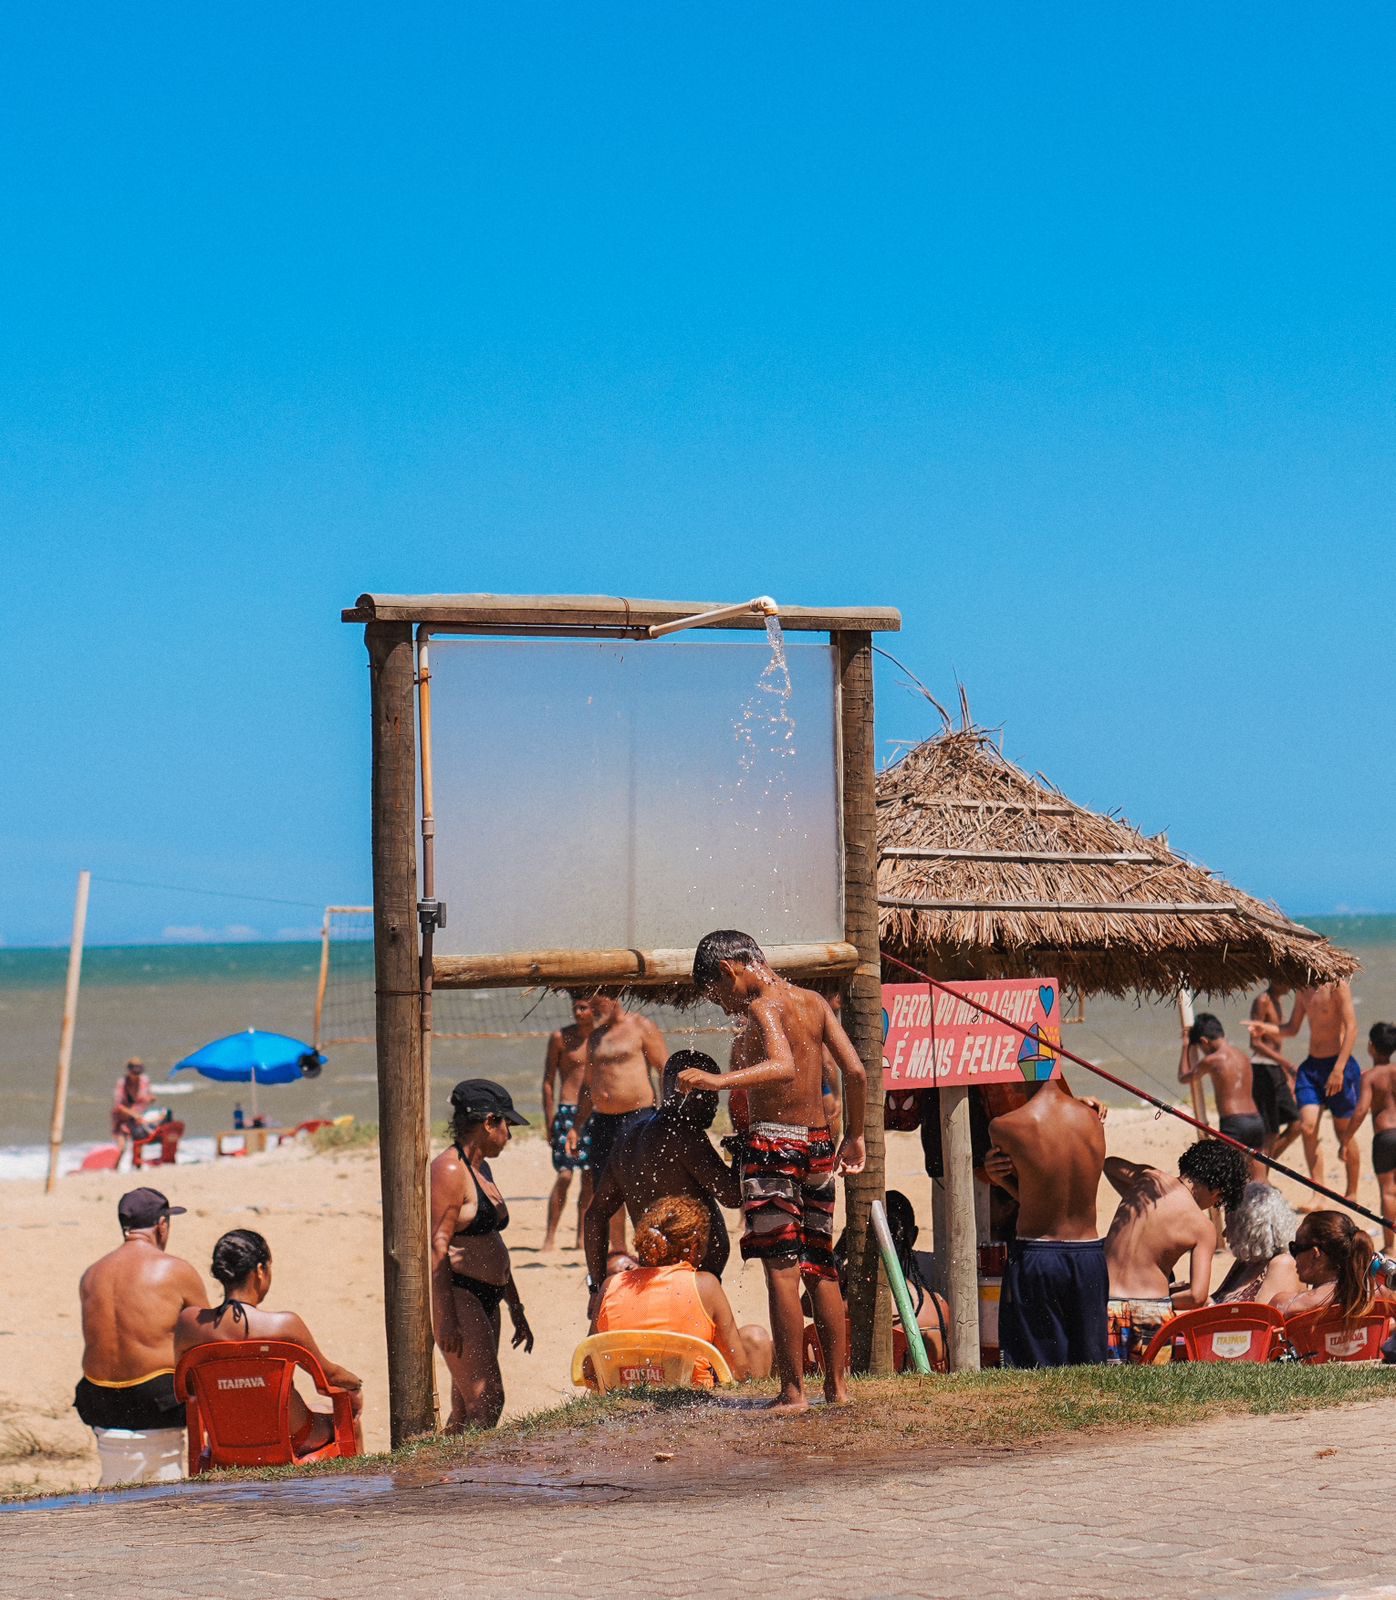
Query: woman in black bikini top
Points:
[471, 1273]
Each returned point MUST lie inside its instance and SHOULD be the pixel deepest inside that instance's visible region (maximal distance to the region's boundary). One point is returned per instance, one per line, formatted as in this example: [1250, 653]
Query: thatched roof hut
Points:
[984, 871]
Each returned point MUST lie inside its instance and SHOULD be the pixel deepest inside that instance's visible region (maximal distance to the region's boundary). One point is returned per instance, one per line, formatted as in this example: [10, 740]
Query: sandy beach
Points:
[321, 1216]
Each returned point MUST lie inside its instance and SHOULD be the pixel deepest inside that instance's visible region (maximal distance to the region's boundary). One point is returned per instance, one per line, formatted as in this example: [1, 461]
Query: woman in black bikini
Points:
[242, 1264]
[471, 1274]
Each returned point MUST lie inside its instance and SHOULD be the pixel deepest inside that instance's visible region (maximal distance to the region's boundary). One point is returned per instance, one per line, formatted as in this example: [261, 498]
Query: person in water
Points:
[471, 1273]
[242, 1264]
[131, 1300]
[667, 1292]
[789, 1160]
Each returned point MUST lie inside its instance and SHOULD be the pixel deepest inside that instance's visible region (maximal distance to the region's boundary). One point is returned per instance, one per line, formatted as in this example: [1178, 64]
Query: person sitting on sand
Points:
[667, 1293]
[1208, 1053]
[1258, 1232]
[789, 1161]
[1379, 1097]
[242, 1264]
[1329, 1078]
[131, 1300]
[563, 1070]
[471, 1275]
[1048, 1154]
[131, 1099]
[666, 1153]
[1160, 1219]
[1333, 1258]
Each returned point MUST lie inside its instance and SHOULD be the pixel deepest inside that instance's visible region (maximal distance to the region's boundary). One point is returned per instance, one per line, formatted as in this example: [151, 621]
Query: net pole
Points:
[322, 983]
[66, 1031]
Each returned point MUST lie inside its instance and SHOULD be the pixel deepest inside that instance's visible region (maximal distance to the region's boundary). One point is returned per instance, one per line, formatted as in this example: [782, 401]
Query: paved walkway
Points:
[1260, 1506]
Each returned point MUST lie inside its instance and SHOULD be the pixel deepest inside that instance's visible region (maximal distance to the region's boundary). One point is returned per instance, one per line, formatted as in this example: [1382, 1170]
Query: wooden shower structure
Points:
[397, 629]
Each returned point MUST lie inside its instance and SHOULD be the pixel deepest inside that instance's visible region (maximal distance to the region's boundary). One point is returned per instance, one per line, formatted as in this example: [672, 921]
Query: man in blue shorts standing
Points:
[1329, 1079]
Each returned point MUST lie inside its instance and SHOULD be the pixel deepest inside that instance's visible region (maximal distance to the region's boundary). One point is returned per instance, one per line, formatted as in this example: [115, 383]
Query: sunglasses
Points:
[1296, 1249]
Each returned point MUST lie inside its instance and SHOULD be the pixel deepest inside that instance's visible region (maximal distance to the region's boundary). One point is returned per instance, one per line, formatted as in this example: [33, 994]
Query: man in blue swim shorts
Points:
[1049, 1154]
[1329, 1079]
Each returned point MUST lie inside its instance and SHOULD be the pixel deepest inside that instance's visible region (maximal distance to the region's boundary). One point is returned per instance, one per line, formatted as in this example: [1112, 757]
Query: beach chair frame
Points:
[1326, 1335]
[1212, 1333]
[624, 1358]
[248, 1424]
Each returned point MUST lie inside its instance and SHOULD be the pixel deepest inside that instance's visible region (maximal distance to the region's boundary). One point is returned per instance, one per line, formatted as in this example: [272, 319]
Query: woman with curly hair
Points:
[666, 1293]
[1333, 1258]
[1258, 1232]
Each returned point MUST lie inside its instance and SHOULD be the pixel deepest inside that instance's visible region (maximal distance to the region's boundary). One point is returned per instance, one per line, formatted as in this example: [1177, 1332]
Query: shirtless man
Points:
[625, 1057]
[1379, 1097]
[131, 1099]
[1271, 1082]
[667, 1153]
[1206, 1053]
[131, 1300]
[789, 1161]
[564, 1067]
[1329, 1078]
[1159, 1220]
[1049, 1155]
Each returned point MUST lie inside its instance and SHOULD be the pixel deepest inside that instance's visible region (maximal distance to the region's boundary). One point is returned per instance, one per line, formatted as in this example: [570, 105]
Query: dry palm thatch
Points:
[986, 872]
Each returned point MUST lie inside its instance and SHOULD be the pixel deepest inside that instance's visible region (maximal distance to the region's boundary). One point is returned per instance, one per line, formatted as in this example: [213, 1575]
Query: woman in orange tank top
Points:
[667, 1294]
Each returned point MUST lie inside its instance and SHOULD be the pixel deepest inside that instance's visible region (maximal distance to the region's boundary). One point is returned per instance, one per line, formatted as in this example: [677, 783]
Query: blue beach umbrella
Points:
[255, 1057]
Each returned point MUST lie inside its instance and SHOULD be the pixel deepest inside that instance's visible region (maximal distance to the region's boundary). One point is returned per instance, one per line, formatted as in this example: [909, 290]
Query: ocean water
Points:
[162, 1002]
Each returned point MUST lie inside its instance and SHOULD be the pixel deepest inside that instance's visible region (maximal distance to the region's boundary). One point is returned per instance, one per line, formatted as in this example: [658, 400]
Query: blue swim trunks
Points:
[1311, 1084]
[563, 1119]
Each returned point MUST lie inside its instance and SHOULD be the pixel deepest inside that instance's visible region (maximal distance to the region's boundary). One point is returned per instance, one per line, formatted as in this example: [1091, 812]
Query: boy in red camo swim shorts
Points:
[789, 1162]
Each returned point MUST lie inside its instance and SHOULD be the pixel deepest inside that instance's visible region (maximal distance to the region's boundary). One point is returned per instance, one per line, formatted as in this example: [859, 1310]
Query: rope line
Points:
[1153, 1100]
[216, 894]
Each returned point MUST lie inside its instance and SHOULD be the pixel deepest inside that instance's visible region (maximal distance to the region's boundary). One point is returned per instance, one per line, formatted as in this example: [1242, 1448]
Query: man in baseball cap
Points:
[130, 1301]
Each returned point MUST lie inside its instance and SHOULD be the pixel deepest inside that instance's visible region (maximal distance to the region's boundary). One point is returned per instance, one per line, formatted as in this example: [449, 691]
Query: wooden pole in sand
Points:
[869, 1300]
[403, 1145]
[1199, 1094]
[65, 1033]
[961, 1236]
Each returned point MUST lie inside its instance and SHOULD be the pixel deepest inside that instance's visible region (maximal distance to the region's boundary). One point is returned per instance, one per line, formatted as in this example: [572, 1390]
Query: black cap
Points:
[143, 1208]
[484, 1097]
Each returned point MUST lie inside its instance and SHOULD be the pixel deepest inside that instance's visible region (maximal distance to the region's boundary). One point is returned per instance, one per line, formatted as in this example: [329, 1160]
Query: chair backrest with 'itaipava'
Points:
[1327, 1335]
[1239, 1330]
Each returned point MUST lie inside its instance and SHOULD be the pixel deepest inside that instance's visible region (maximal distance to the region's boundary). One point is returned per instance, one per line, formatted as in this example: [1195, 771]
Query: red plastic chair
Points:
[1327, 1335]
[103, 1159]
[237, 1404]
[1238, 1330]
[160, 1149]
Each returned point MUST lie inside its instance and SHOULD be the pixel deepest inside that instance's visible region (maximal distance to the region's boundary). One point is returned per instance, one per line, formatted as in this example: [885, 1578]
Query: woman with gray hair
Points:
[1258, 1232]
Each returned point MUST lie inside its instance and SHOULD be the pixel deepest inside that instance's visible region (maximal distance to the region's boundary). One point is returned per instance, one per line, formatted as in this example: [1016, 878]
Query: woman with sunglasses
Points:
[1333, 1258]
[470, 1271]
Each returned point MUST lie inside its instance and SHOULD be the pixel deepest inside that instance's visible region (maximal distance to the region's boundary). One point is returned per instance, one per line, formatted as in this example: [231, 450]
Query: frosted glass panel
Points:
[611, 794]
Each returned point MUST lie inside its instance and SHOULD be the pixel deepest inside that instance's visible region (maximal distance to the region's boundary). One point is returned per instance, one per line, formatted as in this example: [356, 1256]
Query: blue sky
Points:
[1068, 330]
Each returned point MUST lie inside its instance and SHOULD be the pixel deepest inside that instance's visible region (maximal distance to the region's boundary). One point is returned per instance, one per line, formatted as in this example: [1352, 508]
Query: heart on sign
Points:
[1047, 997]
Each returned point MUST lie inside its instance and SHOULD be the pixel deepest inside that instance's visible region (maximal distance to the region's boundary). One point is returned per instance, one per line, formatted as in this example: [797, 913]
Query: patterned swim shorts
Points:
[563, 1119]
[788, 1197]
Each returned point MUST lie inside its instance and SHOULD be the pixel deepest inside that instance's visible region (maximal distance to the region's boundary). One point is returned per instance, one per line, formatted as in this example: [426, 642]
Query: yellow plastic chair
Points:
[623, 1359]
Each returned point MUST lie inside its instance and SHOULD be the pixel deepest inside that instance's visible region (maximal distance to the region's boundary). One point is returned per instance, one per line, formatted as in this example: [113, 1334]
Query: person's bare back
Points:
[1157, 1223]
[1057, 1149]
[131, 1299]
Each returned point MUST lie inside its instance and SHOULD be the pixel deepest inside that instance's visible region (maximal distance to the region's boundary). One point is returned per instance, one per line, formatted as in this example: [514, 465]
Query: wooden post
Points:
[962, 1274]
[869, 1300]
[403, 1145]
[940, 1236]
[65, 1032]
[1199, 1093]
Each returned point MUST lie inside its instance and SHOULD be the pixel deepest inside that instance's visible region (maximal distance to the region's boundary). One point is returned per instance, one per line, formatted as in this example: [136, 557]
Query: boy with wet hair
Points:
[789, 1162]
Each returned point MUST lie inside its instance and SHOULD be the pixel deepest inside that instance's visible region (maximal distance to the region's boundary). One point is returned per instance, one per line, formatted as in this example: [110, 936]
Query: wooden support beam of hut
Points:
[1099, 858]
[961, 1237]
[636, 969]
[397, 1007]
[869, 1299]
[1118, 908]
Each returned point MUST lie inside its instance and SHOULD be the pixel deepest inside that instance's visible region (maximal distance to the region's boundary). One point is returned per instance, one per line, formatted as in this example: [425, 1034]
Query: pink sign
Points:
[932, 1038]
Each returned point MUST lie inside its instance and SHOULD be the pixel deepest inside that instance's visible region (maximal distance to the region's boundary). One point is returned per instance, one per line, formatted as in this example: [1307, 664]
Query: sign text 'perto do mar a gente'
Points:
[937, 1037]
